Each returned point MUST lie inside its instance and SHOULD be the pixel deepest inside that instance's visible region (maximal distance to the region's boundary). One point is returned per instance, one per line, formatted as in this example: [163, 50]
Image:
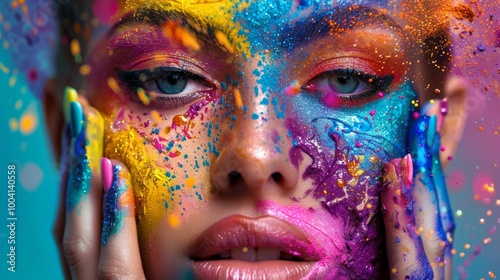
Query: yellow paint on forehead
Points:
[216, 12]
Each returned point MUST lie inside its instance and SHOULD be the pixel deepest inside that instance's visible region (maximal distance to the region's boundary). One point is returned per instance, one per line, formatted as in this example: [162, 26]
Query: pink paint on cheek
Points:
[324, 231]
[331, 100]
[104, 10]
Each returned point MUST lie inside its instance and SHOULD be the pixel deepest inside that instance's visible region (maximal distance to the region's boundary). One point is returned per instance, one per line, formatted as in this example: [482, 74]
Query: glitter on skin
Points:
[118, 202]
[80, 173]
[351, 124]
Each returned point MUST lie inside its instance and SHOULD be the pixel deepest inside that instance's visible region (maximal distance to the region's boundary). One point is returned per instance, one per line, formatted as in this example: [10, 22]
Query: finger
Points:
[406, 254]
[83, 192]
[444, 207]
[120, 256]
[58, 229]
[428, 218]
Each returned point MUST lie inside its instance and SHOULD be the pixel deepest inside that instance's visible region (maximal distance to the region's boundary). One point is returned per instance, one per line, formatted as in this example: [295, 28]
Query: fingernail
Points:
[76, 117]
[70, 95]
[431, 130]
[107, 173]
[409, 169]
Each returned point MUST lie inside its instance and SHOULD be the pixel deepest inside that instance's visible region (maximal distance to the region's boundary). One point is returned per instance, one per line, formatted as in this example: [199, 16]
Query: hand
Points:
[95, 227]
[417, 215]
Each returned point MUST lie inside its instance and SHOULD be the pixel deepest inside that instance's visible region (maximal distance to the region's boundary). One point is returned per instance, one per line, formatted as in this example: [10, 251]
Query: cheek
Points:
[349, 148]
[167, 184]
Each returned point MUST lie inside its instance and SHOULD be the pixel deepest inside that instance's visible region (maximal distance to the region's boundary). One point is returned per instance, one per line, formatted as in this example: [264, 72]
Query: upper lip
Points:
[265, 231]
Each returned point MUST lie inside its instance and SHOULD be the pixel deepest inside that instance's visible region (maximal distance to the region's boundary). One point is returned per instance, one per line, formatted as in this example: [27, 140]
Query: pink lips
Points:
[213, 249]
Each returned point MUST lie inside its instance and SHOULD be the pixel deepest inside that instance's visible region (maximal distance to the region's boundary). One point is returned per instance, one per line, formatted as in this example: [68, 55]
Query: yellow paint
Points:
[218, 13]
[149, 181]
[174, 221]
[237, 98]
[190, 182]
[113, 85]
[156, 116]
[141, 93]
[94, 133]
[222, 39]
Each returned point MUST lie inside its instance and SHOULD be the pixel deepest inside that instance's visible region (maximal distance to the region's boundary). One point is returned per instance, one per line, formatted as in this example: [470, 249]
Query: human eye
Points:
[348, 87]
[165, 87]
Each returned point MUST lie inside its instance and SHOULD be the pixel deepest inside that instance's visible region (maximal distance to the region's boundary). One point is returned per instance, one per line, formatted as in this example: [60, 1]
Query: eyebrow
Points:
[290, 36]
[201, 29]
[333, 22]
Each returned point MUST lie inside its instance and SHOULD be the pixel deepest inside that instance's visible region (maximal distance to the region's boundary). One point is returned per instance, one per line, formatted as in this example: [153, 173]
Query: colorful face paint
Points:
[201, 99]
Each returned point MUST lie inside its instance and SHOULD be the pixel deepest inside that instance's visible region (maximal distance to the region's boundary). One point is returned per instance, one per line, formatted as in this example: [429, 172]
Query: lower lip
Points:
[235, 269]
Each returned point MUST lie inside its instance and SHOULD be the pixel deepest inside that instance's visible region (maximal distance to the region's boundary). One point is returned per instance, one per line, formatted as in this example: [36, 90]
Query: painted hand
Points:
[416, 209]
[95, 227]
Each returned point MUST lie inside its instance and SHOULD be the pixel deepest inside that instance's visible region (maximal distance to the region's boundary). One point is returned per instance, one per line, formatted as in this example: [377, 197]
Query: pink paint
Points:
[104, 10]
[358, 144]
[380, 94]
[106, 173]
[323, 231]
[443, 148]
[373, 112]
[159, 146]
[331, 100]
[416, 115]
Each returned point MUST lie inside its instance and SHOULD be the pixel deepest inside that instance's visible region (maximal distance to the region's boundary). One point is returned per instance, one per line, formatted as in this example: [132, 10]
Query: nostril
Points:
[233, 178]
[277, 177]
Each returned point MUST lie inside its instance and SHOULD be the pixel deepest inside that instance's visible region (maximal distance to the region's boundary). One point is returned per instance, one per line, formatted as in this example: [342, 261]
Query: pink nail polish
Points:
[107, 173]
[409, 164]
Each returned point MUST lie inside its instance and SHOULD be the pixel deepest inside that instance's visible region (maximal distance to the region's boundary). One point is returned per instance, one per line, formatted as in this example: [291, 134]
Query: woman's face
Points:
[256, 131]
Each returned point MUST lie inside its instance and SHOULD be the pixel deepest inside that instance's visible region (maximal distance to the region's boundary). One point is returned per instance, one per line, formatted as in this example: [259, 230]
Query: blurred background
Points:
[27, 40]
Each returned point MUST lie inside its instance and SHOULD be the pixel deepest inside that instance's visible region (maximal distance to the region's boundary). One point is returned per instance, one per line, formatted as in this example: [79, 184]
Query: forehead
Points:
[246, 16]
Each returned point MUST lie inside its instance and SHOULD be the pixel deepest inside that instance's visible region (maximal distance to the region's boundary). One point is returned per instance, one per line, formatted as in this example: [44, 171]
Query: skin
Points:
[262, 134]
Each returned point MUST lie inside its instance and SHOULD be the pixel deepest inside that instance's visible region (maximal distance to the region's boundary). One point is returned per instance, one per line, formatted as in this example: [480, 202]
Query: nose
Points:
[254, 154]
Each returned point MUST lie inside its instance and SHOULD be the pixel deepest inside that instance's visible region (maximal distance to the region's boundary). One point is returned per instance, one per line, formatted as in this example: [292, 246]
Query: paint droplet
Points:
[237, 98]
[143, 96]
[372, 112]
[173, 220]
[113, 85]
[179, 120]
[443, 148]
[222, 39]
[190, 182]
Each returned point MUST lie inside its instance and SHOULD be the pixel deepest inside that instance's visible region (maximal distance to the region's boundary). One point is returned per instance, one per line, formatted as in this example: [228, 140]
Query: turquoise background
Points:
[37, 180]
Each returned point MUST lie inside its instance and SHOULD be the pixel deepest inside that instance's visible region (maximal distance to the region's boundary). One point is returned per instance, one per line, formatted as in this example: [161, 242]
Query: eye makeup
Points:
[351, 87]
[169, 87]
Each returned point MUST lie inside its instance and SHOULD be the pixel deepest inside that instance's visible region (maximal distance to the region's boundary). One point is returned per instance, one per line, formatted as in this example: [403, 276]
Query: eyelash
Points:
[376, 83]
[135, 80]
